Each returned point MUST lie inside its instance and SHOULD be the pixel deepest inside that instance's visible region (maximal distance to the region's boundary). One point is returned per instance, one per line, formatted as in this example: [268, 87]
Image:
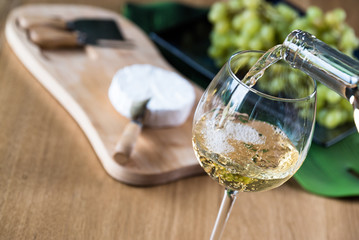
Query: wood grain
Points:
[79, 79]
[52, 185]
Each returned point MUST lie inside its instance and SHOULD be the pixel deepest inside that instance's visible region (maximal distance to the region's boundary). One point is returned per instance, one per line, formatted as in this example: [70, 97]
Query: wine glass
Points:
[253, 139]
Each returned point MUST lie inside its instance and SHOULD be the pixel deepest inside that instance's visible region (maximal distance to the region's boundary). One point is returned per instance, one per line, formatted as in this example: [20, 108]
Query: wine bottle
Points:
[325, 64]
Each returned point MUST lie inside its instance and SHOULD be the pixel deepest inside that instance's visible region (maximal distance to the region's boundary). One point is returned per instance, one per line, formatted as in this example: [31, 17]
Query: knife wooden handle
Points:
[127, 142]
[47, 37]
[27, 22]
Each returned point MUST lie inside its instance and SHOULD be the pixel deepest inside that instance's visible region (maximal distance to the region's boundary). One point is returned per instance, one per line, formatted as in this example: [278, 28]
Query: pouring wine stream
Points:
[318, 60]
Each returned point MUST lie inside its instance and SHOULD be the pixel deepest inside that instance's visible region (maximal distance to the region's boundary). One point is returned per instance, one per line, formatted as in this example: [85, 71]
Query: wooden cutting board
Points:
[79, 79]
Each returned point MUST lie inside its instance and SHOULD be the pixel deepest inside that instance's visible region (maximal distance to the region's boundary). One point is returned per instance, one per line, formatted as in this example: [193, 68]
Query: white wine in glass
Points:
[249, 138]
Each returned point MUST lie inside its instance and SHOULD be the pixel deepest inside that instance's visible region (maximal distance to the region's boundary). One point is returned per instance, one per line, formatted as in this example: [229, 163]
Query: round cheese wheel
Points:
[171, 96]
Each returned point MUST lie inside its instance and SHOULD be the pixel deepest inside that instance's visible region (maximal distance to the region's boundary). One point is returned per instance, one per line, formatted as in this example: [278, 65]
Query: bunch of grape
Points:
[260, 25]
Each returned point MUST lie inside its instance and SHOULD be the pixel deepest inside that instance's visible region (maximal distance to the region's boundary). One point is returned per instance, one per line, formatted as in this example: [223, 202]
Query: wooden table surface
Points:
[52, 185]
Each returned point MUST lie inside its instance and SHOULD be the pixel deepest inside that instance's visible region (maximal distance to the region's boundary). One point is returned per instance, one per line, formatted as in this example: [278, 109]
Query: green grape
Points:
[316, 17]
[332, 97]
[233, 38]
[222, 26]
[348, 39]
[220, 40]
[286, 11]
[335, 17]
[238, 21]
[267, 33]
[294, 78]
[314, 12]
[344, 104]
[252, 4]
[337, 34]
[242, 41]
[250, 15]
[235, 5]
[300, 23]
[217, 12]
[256, 43]
[328, 38]
[277, 85]
[321, 116]
[333, 118]
[340, 15]
[346, 116]
[277, 68]
[252, 27]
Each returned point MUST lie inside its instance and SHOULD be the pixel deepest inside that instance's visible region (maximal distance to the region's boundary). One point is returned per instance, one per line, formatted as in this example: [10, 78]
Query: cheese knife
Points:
[51, 38]
[131, 132]
[50, 32]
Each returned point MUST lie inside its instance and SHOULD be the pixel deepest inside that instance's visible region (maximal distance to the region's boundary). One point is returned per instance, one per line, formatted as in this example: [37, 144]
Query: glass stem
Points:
[224, 211]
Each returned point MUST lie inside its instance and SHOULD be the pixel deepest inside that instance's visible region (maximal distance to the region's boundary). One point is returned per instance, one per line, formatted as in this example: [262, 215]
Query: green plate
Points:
[328, 171]
[332, 171]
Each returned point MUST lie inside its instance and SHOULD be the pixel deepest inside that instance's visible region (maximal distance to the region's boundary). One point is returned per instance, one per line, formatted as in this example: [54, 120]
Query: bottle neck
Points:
[321, 62]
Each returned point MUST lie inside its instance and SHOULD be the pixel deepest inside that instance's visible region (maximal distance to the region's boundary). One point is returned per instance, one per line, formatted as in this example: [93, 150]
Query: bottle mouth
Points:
[300, 39]
[298, 35]
[303, 47]
[294, 44]
[263, 94]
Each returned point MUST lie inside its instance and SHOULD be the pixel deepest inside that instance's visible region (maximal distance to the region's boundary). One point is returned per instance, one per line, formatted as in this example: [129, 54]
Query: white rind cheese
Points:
[171, 96]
